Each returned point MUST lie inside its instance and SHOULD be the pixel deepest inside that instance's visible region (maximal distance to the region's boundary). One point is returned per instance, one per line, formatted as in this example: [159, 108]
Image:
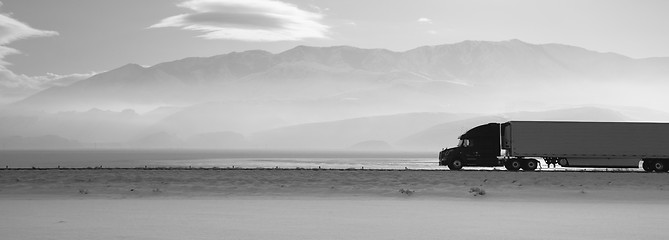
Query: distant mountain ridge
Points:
[315, 72]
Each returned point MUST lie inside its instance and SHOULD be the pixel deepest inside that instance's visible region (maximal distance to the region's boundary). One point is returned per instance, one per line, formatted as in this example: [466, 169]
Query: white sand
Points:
[328, 219]
[307, 204]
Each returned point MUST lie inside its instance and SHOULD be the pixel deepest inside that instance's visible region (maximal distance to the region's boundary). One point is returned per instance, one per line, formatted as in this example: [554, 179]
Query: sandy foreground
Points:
[331, 204]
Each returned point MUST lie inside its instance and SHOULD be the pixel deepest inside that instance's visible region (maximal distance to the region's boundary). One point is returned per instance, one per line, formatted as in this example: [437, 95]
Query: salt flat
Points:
[330, 204]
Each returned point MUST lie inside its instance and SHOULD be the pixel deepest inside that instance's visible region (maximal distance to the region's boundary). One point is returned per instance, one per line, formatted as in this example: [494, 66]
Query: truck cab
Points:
[479, 146]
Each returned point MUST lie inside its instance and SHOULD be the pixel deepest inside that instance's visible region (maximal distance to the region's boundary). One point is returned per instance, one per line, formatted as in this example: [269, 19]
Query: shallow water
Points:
[130, 158]
[207, 158]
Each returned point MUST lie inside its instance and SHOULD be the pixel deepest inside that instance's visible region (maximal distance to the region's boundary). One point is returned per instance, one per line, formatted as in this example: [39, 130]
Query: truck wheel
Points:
[512, 165]
[529, 165]
[455, 165]
[659, 166]
[646, 166]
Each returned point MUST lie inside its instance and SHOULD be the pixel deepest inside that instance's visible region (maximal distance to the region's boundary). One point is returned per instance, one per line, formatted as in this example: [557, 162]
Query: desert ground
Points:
[331, 204]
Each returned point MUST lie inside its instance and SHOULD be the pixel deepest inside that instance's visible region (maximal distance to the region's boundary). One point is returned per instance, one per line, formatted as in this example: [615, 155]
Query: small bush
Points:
[83, 191]
[477, 191]
[407, 191]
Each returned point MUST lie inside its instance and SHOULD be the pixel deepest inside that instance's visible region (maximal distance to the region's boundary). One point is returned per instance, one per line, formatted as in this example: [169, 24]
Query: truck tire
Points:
[455, 165]
[512, 165]
[659, 166]
[646, 166]
[529, 165]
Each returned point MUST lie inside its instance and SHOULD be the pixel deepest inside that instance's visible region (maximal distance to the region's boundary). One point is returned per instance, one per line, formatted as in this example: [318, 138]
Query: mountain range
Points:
[344, 72]
[339, 97]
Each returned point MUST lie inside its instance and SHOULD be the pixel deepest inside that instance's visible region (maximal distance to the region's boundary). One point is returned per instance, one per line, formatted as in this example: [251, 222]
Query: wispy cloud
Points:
[248, 20]
[12, 30]
[425, 20]
[15, 86]
[29, 83]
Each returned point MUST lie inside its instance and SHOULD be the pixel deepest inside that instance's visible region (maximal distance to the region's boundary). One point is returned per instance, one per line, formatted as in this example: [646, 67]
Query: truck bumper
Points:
[442, 158]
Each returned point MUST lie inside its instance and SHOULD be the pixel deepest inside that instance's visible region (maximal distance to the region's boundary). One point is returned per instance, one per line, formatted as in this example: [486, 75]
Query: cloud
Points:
[17, 85]
[425, 20]
[248, 20]
[12, 30]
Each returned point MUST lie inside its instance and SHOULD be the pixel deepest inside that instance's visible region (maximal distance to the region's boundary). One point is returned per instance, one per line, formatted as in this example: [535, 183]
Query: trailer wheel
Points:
[659, 166]
[513, 165]
[455, 165]
[529, 165]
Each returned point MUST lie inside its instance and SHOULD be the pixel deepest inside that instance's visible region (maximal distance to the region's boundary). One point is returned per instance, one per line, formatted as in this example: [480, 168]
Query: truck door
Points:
[470, 152]
[483, 145]
[483, 152]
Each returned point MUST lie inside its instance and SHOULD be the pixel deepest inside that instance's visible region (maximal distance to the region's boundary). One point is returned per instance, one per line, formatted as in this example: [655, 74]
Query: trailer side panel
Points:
[587, 139]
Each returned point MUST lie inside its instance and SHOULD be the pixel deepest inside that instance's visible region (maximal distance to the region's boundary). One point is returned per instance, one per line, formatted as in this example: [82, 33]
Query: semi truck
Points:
[520, 145]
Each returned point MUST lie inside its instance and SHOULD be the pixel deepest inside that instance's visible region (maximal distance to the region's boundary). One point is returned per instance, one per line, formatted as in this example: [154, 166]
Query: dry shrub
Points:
[407, 191]
[477, 191]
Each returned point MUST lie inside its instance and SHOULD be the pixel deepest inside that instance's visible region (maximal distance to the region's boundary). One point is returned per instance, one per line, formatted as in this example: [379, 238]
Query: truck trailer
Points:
[521, 144]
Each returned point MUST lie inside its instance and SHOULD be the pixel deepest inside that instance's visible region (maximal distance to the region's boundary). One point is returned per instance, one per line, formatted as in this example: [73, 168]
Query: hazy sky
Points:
[48, 39]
